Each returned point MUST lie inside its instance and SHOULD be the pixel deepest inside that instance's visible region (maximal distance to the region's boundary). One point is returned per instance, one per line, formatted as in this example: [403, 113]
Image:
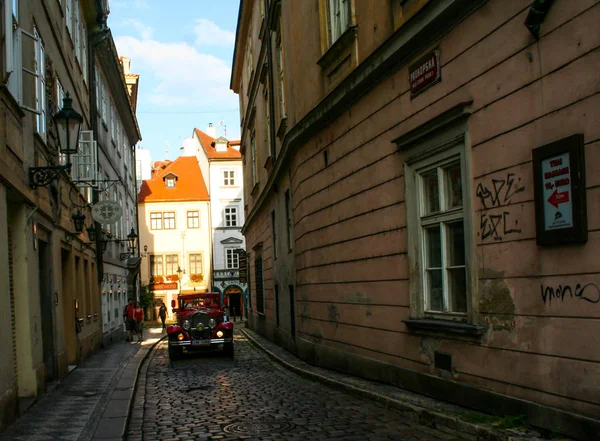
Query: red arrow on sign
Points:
[558, 198]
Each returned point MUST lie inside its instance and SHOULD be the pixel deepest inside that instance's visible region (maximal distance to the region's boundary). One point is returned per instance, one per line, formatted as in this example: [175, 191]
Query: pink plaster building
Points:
[422, 181]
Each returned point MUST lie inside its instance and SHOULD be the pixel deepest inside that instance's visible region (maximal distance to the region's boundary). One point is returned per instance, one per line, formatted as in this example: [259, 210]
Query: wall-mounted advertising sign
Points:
[425, 73]
[161, 286]
[559, 172]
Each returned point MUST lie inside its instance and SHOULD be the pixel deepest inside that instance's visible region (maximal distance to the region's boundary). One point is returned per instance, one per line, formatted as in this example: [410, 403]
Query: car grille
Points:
[197, 320]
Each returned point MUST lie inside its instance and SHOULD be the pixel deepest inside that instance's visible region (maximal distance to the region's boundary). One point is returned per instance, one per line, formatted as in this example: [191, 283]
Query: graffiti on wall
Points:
[498, 193]
[589, 293]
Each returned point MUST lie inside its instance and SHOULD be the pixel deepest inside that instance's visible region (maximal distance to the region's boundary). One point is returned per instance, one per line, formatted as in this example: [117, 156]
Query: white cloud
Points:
[184, 76]
[208, 34]
[144, 31]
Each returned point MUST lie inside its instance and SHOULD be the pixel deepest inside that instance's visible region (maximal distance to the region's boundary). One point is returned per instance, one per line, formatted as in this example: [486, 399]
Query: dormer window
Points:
[170, 180]
[221, 144]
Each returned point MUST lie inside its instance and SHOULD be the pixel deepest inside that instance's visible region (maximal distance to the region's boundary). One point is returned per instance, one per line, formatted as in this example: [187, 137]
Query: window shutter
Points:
[85, 162]
[8, 40]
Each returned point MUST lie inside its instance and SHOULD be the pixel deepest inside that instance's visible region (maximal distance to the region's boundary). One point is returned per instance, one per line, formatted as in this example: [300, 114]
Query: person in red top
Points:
[138, 316]
[128, 319]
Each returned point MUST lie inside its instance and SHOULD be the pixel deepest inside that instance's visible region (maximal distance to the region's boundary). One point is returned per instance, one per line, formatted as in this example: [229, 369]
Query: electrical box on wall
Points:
[560, 193]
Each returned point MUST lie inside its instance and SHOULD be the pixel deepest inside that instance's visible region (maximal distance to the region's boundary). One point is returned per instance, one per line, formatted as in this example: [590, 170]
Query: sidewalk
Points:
[92, 402]
[439, 415]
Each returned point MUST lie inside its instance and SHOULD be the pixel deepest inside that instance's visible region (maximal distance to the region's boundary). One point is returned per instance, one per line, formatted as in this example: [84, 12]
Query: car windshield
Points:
[200, 302]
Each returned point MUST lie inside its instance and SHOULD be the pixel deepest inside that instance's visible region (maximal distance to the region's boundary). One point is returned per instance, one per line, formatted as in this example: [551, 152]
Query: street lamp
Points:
[179, 271]
[67, 125]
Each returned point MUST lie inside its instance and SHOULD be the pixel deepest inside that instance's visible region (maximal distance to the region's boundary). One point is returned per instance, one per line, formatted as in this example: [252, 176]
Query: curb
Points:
[113, 423]
[452, 425]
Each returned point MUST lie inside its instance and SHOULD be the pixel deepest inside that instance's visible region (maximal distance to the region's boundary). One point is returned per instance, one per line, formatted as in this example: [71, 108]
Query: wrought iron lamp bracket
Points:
[43, 176]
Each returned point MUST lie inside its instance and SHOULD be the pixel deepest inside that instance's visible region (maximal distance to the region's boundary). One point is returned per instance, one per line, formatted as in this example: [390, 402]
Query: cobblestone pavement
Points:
[207, 396]
[71, 409]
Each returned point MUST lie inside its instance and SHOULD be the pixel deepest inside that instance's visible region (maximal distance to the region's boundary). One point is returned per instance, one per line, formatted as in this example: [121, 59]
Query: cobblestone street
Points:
[207, 396]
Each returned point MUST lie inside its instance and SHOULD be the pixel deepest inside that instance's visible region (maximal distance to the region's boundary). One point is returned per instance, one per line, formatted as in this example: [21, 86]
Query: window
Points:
[280, 74]
[169, 220]
[156, 265]
[229, 178]
[289, 220]
[260, 296]
[274, 234]
[443, 239]
[231, 216]
[84, 52]
[338, 18]
[170, 182]
[254, 160]
[172, 264]
[193, 219]
[69, 15]
[196, 264]
[232, 259]
[156, 222]
[438, 208]
[77, 28]
[40, 85]
[268, 147]
[85, 160]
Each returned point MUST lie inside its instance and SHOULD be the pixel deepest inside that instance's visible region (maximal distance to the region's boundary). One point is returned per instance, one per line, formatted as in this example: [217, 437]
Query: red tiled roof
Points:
[211, 152]
[188, 187]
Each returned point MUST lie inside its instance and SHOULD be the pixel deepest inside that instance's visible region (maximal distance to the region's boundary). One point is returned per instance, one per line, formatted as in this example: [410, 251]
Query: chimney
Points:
[211, 130]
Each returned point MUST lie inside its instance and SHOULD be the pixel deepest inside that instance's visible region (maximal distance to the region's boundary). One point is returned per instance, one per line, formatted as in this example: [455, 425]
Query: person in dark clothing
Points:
[162, 313]
[128, 319]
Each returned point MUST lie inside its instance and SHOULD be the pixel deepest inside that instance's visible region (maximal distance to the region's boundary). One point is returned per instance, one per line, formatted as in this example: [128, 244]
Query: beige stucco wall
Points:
[181, 241]
[352, 271]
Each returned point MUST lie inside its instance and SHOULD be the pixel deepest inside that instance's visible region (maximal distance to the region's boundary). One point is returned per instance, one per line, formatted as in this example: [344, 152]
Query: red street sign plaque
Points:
[425, 73]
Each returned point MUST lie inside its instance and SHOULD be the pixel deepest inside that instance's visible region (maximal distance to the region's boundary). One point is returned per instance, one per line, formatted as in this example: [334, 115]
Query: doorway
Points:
[68, 309]
[233, 300]
[47, 310]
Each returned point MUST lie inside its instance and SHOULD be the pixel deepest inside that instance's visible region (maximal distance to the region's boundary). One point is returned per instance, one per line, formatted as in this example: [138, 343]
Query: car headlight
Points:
[186, 325]
[220, 334]
[212, 323]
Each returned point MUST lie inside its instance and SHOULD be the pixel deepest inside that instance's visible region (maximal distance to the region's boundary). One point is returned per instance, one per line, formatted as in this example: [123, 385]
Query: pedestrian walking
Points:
[128, 319]
[162, 313]
[138, 316]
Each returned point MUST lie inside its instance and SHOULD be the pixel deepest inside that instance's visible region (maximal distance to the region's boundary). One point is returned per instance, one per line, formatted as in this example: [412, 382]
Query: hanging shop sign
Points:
[425, 73]
[560, 203]
[107, 212]
[243, 266]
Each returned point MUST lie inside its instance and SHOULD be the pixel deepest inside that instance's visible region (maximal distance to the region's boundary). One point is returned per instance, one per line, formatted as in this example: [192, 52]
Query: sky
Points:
[183, 55]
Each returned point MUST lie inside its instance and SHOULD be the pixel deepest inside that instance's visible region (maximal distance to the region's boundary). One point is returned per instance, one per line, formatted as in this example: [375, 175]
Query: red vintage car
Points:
[201, 323]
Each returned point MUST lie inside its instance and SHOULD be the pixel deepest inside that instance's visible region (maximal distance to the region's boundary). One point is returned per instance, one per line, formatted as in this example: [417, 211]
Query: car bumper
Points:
[200, 343]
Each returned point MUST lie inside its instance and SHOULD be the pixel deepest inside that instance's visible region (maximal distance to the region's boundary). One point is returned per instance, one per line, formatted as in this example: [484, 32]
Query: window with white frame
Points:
[232, 259]
[230, 214]
[156, 221]
[195, 264]
[229, 178]
[438, 207]
[170, 182]
[172, 264]
[169, 219]
[280, 73]
[338, 18]
[193, 219]
[84, 51]
[442, 237]
[268, 147]
[40, 85]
